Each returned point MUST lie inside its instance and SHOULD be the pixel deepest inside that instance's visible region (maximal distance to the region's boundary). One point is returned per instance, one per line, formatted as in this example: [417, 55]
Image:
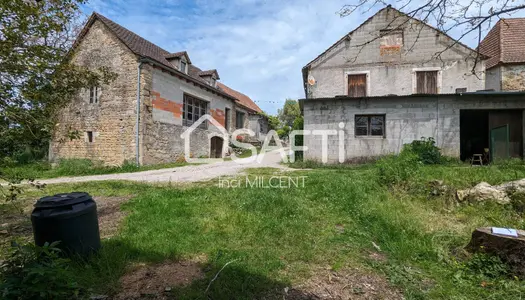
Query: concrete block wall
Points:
[389, 73]
[112, 120]
[406, 119]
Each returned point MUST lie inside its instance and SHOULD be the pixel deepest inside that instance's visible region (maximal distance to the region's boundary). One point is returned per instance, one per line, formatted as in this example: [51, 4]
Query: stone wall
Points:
[391, 70]
[112, 119]
[513, 78]
[406, 118]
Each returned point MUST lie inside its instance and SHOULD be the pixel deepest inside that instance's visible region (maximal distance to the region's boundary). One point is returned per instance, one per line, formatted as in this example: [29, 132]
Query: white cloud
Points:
[258, 47]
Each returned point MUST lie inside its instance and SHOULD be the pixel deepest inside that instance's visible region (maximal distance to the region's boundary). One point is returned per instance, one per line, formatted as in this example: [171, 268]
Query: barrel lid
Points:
[65, 199]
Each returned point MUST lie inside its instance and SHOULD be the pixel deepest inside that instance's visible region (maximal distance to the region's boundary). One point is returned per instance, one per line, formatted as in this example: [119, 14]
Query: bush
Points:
[426, 150]
[33, 272]
[398, 169]
[298, 124]
[481, 266]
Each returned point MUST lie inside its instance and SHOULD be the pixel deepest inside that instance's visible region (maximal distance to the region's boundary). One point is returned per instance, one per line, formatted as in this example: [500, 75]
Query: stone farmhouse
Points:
[157, 95]
[395, 79]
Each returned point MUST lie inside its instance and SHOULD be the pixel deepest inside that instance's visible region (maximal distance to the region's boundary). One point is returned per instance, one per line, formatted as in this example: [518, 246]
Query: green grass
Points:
[75, 167]
[281, 236]
[244, 154]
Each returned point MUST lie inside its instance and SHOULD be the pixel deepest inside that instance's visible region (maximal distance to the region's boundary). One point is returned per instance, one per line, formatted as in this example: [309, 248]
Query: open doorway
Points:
[495, 134]
[216, 147]
[473, 132]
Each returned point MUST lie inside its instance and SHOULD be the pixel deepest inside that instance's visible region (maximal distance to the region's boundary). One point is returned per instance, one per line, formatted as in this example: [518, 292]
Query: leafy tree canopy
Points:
[289, 112]
[36, 76]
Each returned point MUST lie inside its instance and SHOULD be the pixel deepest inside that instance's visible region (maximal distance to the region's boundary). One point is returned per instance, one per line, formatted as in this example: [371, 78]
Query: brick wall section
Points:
[393, 73]
[112, 120]
[406, 119]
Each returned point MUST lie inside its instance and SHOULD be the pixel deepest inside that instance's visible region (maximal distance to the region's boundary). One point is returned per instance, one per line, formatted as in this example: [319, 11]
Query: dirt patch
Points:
[14, 225]
[344, 284]
[109, 214]
[155, 281]
[17, 225]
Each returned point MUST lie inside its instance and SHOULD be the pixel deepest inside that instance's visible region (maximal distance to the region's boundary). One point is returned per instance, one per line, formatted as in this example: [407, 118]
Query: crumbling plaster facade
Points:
[391, 70]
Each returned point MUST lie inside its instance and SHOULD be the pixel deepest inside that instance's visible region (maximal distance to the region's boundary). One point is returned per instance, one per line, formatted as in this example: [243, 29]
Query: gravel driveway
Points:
[182, 174]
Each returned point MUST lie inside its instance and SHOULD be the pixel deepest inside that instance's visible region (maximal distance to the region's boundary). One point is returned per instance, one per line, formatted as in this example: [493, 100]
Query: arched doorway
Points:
[216, 147]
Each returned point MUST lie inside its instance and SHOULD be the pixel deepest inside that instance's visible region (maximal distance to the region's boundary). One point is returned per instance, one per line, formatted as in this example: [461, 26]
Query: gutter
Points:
[137, 137]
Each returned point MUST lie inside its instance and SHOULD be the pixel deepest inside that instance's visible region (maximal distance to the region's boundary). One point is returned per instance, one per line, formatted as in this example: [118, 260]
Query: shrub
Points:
[481, 266]
[298, 124]
[426, 149]
[32, 272]
[398, 169]
[517, 201]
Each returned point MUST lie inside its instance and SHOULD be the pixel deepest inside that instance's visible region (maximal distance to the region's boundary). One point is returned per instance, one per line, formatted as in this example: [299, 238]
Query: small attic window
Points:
[213, 81]
[183, 66]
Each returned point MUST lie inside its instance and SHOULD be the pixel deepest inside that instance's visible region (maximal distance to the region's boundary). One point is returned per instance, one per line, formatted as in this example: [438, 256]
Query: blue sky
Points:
[258, 47]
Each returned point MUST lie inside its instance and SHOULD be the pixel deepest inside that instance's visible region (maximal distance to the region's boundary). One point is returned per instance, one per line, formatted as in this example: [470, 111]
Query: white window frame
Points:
[439, 78]
[367, 73]
[96, 94]
[182, 61]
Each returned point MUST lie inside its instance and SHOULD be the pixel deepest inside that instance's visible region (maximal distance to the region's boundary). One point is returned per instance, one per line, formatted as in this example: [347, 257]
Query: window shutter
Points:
[357, 85]
[426, 82]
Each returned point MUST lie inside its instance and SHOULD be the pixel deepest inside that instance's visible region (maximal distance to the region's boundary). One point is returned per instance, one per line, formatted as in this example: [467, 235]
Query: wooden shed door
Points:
[357, 85]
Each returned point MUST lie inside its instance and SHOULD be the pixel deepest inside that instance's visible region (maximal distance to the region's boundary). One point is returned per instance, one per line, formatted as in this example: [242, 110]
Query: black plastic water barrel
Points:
[69, 218]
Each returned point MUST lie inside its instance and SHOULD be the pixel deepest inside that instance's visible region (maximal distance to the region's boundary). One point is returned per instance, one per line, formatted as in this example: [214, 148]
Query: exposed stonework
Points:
[513, 78]
[108, 126]
[112, 119]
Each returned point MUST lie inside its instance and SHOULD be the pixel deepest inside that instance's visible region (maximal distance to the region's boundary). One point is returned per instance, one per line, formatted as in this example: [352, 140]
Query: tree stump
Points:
[510, 249]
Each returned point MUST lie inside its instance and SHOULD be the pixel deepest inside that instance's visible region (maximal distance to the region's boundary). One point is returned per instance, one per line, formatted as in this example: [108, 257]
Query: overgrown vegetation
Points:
[278, 237]
[74, 167]
[37, 77]
[32, 272]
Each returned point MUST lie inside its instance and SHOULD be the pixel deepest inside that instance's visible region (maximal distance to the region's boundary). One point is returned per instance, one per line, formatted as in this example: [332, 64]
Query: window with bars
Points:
[370, 125]
[193, 109]
[94, 92]
[426, 82]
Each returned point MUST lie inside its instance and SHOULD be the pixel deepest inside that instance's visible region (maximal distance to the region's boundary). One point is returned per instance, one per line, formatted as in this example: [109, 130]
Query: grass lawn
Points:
[75, 167]
[278, 237]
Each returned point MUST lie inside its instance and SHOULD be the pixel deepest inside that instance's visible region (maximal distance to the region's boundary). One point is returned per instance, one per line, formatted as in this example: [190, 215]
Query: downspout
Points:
[137, 137]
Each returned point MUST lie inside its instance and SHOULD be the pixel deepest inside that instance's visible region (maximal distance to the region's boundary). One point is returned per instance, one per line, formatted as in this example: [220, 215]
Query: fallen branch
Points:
[217, 275]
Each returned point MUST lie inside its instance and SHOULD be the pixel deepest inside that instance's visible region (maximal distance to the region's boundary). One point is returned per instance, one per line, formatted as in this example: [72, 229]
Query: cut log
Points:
[510, 249]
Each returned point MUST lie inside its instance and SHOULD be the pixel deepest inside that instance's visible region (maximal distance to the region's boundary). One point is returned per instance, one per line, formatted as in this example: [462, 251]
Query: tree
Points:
[36, 76]
[471, 17]
[274, 123]
[289, 112]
